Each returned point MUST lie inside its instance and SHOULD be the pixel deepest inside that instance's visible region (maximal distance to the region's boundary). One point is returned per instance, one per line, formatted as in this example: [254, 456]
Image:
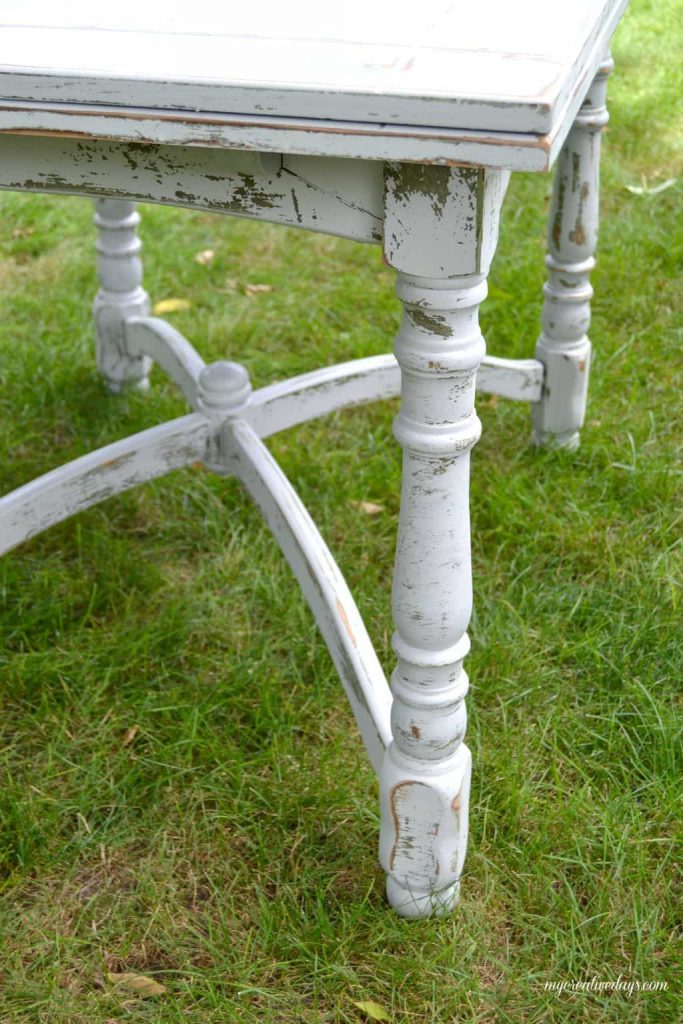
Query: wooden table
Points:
[388, 124]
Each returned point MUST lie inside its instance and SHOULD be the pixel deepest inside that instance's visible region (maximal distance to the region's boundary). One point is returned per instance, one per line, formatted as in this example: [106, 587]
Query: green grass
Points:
[229, 850]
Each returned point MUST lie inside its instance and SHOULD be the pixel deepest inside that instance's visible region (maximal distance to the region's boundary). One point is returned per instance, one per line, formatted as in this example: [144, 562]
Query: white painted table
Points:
[386, 124]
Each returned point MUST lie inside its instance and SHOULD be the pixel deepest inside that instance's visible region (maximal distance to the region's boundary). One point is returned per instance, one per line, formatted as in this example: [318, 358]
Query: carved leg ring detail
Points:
[121, 295]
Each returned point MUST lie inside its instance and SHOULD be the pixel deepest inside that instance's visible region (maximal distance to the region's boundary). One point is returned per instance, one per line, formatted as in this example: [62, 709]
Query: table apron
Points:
[336, 196]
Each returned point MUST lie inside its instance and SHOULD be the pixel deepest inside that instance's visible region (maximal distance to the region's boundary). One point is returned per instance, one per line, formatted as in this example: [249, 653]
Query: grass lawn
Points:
[182, 793]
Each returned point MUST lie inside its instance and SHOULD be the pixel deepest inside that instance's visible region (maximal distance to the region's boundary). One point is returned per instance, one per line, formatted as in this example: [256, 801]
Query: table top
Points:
[490, 66]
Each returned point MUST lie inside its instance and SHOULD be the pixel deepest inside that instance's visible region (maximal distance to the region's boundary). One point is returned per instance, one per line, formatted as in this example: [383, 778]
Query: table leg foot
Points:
[120, 296]
[412, 903]
[424, 834]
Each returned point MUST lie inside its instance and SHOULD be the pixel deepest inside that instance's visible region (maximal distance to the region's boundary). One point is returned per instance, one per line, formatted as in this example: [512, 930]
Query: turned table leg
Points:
[440, 233]
[121, 294]
[563, 347]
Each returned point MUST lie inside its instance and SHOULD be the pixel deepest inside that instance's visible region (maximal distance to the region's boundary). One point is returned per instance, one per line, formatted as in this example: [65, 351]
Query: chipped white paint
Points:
[564, 348]
[453, 97]
[339, 197]
[349, 123]
[321, 582]
[452, 224]
[121, 294]
[519, 379]
[310, 395]
[155, 338]
[424, 783]
[311, 137]
[69, 489]
[302, 59]
[222, 393]
[290, 402]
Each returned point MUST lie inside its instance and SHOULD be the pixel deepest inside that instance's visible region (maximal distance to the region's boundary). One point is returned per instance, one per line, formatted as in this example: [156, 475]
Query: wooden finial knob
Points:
[223, 387]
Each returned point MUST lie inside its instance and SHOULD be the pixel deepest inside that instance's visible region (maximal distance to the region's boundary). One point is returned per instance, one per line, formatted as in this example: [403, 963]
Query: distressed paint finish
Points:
[63, 492]
[224, 435]
[311, 138]
[287, 403]
[220, 436]
[317, 393]
[494, 85]
[519, 379]
[440, 222]
[441, 232]
[225, 395]
[121, 294]
[352, 63]
[170, 350]
[339, 197]
[393, 137]
[563, 347]
[321, 582]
